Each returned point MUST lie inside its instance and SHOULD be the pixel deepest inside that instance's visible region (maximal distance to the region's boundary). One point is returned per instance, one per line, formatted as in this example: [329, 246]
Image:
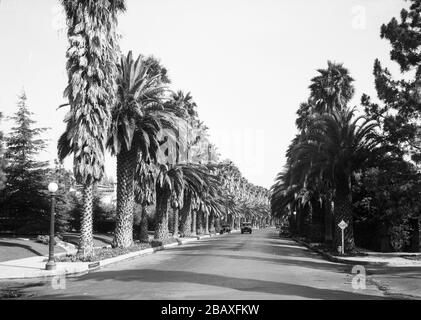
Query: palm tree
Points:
[172, 183]
[236, 198]
[137, 120]
[337, 146]
[168, 182]
[332, 88]
[183, 105]
[91, 67]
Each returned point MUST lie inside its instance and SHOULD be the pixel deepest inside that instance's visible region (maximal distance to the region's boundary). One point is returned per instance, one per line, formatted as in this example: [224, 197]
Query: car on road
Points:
[246, 227]
[225, 229]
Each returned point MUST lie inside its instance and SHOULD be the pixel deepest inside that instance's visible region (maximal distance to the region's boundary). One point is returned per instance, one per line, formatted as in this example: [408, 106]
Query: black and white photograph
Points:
[210, 156]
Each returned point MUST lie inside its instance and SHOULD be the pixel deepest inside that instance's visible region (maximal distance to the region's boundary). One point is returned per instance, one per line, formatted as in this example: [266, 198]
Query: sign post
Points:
[343, 226]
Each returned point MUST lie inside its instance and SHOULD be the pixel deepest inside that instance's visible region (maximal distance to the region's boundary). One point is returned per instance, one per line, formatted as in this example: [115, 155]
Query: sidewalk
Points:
[390, 272]
[34, 267]
[393, 259]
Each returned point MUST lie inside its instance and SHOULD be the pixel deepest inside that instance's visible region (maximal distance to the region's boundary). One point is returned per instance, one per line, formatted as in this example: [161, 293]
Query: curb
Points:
[81, 268]
[147, 251]
[106, 262]
[336, 259]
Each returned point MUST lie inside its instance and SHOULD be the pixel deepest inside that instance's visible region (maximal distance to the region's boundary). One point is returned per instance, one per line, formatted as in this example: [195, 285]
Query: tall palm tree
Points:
[137, 120]
[337, 146]
[332, 88]
[91, 67]
[184, 104]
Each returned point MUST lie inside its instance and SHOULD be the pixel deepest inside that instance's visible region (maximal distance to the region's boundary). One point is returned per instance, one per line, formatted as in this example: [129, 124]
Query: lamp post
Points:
[51, 264]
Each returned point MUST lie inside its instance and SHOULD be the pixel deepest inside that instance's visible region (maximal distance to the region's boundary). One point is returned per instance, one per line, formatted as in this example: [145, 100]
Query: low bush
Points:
[46, 239]
[105, 253]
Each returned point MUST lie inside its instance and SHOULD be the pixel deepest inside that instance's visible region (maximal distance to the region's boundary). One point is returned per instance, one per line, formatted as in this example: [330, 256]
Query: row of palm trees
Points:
[314, 190]
[164, 158]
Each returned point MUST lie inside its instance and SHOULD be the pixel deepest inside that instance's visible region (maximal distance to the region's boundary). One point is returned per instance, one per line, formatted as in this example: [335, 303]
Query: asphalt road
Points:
[234, 266]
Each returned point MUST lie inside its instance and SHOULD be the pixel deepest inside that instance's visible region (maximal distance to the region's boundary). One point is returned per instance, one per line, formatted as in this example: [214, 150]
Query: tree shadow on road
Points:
[280, 250]
[240, 284]
[322, 265]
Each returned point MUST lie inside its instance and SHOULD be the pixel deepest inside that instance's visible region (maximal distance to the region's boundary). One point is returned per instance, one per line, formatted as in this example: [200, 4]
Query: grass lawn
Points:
[100, 240]
[13, 248]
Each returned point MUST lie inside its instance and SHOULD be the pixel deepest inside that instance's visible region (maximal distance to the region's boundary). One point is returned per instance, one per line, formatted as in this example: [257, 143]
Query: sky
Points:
[247, 63]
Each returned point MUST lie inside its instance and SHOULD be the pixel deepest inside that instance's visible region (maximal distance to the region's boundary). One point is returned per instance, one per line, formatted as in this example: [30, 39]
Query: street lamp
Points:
[51, 264]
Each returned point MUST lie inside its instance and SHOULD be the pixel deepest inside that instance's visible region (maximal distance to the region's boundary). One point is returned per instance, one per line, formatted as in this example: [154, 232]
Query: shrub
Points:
[399, 237]
[46, 239]
[101, 254]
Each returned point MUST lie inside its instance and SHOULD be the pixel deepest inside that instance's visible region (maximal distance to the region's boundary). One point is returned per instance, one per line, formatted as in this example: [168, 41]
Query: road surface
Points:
[234, 266]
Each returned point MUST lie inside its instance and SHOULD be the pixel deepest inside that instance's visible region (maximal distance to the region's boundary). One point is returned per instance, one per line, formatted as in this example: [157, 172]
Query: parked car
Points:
[225, 229]
[246, 227]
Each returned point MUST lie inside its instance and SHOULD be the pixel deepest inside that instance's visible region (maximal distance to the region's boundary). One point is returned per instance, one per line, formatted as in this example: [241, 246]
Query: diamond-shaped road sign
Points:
[342, 225]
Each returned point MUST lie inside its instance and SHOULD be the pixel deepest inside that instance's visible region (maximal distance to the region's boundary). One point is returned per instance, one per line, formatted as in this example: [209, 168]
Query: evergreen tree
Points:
[400, 108]
[401, 99]
[24, 200]
[66, 201]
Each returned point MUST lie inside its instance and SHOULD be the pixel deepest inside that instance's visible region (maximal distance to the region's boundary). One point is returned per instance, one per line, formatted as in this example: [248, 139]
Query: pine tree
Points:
[66, 202]
[24, 200]
[401, 99]
[400, 110]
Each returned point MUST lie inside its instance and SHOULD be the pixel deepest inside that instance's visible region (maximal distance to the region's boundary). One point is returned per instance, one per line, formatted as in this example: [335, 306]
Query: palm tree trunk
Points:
[200, 222]
[143, 234]
[212, 222]
[238, 222]
[175, 226]
[302, 218]
[186, 222]
[86, 242]
[308, 220]
[206, 222]
[217, 224]
[162, 204]
[298, 220]
[328, 221]
[343, 211]
[193, 224]
[126, 166]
